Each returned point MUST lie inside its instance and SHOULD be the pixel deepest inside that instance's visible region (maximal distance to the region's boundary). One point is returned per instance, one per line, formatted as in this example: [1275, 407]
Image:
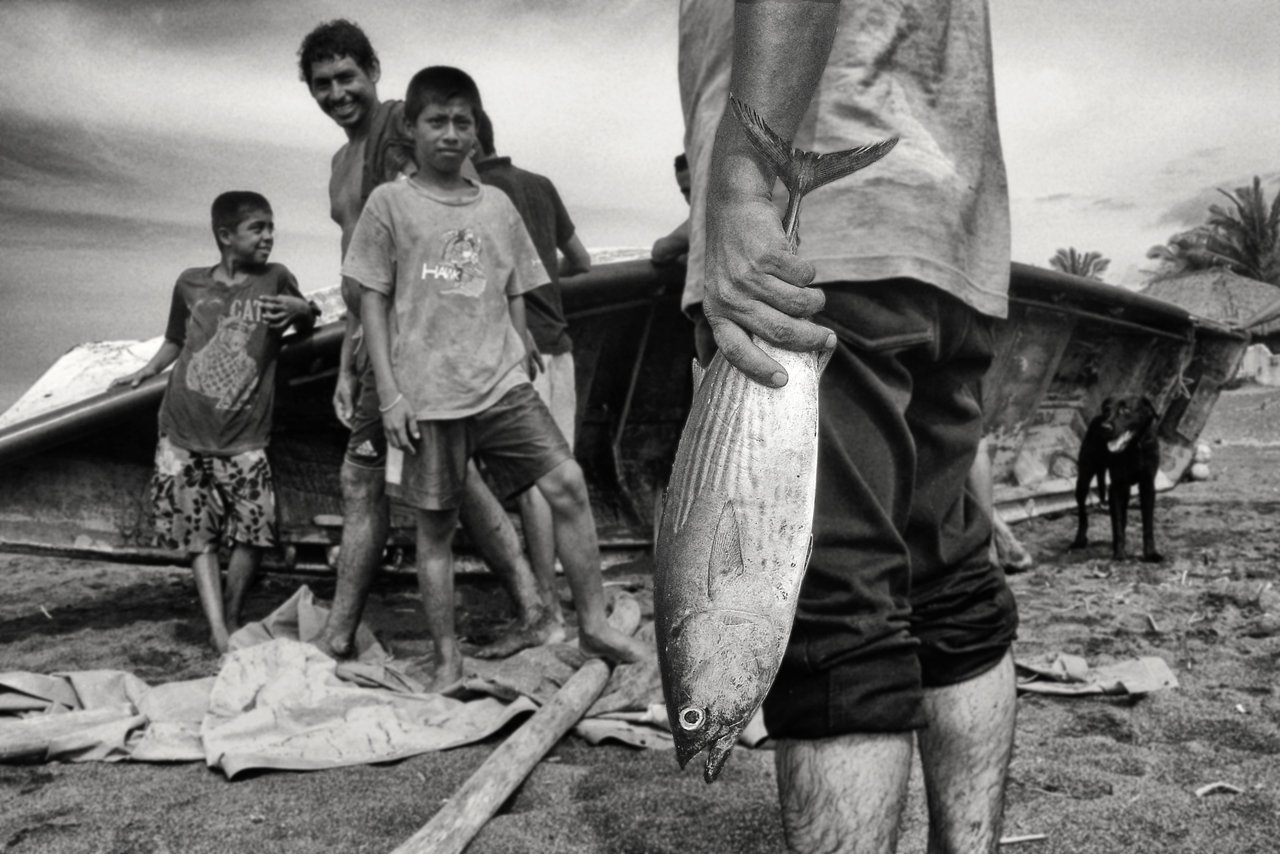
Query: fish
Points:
[735, 529]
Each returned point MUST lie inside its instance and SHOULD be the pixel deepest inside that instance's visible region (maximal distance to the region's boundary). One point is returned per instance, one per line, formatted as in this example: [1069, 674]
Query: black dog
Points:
[1121, 442]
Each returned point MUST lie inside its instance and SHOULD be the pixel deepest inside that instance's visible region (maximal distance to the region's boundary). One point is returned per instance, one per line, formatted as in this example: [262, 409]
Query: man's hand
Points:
[344, 398]
[755, 286]
[131, 380]
[400, 425]
[280, 311]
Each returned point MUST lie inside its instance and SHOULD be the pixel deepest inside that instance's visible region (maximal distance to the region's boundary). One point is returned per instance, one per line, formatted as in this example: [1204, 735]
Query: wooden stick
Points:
[452, 828]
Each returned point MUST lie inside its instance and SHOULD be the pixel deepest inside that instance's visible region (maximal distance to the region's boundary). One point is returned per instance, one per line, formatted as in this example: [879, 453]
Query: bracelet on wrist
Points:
[389, 406]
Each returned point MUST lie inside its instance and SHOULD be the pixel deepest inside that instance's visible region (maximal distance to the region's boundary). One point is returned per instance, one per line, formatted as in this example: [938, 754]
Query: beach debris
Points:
[1219, 787]
[1019, 840]
[45, 611]
[734, 532]
[1064, 674]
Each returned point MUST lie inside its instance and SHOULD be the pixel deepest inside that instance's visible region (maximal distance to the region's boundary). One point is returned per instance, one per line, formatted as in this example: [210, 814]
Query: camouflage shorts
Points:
[200, 500]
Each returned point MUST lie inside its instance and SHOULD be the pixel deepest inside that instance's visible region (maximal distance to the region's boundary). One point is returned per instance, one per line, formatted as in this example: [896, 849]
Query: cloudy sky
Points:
[119, 123]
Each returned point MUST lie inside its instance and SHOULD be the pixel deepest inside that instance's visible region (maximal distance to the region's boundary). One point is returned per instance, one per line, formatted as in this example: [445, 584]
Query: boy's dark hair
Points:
[439, 84]
[333, 40]
[682, 163]
[484, 132]
[232, 208]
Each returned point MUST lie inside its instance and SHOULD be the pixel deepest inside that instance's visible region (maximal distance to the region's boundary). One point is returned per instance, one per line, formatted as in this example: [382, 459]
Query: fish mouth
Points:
[718, 745]
[1120, 442]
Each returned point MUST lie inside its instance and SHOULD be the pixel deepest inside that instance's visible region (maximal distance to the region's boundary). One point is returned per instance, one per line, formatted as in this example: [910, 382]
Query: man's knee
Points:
[565, 487]
[362, 485]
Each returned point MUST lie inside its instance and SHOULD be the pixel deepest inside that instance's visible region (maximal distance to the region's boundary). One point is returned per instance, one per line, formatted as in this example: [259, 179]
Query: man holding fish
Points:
[903, 627]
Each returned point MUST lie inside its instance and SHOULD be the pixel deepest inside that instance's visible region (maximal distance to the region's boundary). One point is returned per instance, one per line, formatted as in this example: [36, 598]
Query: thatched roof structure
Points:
[1218, 294]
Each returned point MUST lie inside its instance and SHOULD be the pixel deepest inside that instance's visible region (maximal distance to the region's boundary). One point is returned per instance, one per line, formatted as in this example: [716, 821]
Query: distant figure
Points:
[451, 353]
[341, 71]
[903, 630]
[673, 248]
[212, 482]
[550, 227]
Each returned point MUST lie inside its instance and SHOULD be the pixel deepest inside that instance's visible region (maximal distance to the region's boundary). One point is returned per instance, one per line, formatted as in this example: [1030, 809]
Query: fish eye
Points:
[691, 718]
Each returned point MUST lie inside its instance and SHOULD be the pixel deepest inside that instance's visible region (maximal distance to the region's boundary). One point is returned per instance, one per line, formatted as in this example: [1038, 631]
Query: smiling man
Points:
[341, 71]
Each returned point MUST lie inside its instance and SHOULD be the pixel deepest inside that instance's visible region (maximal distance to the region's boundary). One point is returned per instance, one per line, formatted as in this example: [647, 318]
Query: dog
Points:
[1120, 443]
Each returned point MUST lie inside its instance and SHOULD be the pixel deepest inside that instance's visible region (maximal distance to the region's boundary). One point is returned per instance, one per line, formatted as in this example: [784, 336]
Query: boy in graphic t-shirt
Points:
[443, 263]
[212, 480]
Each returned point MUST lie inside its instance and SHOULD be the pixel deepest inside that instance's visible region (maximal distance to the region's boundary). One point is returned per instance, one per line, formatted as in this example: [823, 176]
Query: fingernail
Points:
[779, 379]
[831, 341]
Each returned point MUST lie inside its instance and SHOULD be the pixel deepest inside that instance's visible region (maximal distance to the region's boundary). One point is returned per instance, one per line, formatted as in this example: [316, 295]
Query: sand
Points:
[1091, 774]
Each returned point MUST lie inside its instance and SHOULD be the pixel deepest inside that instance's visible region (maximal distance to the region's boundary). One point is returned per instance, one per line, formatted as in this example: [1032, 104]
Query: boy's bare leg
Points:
[575, 533]
[844, 794]
[496, 539]
[366, 519]
[435, 583]
[241, 569]
[540, 534]
[208, 575]
[965, 754]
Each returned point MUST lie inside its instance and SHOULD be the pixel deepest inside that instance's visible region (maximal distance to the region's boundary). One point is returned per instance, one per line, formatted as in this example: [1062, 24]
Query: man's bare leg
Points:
[242, 567]
[366, 520]
[965, 754]
[435, 583]
[208, 575]
[844, 794]
[540, 534]
[490, 528]
[579, 551]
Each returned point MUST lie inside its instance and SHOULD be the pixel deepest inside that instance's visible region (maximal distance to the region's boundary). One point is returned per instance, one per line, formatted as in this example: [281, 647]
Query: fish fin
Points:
[726, 550]
[837, 164]
[775, 149]
[698, 373]
[824, 356]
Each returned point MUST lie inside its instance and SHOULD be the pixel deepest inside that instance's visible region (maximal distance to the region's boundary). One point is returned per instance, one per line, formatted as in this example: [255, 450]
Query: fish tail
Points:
[836, 165]
[779, 153]
[802, 171]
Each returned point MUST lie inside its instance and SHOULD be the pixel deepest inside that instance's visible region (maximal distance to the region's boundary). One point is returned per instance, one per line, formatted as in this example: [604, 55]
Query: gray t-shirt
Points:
[450, 268]
[936, 207]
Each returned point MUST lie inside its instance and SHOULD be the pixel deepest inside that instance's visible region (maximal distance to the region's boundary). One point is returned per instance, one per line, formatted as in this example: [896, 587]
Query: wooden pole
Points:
[452, 828]
[475, 802]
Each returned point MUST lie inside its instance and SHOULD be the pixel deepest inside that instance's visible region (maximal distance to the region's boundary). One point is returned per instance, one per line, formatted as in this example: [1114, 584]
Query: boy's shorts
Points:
[900, 594]
[516, 439]
[200, 500]
[367, 444]
[557, 386]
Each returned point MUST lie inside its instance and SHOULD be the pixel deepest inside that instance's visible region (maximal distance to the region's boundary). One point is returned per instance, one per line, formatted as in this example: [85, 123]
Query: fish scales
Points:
[735, 531]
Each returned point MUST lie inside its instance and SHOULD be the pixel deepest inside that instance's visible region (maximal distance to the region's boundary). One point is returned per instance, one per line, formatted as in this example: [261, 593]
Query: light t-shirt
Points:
[449, 267]
[936, 207]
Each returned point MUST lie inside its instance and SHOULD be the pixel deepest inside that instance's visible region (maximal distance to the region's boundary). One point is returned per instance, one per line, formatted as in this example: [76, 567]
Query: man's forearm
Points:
[373, 313]
[780, 50]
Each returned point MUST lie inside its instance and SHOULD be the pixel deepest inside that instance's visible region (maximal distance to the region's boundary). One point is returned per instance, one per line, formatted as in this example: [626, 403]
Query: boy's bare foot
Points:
[219, 641]
[339, 649]
[446, 677]
[613, 646]
[545, 631]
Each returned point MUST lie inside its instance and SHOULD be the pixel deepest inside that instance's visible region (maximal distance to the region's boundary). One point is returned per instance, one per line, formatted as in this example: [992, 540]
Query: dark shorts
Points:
[516, 439]
[367, 444]
[900, 593]
[201, 500]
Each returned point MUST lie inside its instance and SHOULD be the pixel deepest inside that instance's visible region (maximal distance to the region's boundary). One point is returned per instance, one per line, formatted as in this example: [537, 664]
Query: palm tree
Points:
[1247, 239]
[1088, 264]
[1184, 252]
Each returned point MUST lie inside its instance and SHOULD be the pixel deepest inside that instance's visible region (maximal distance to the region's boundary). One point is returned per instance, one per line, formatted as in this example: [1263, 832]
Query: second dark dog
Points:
[1120, 443]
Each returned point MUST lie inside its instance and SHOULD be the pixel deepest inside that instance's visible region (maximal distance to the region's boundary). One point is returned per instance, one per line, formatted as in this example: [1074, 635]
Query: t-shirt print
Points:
[460, 263]
[222, 369]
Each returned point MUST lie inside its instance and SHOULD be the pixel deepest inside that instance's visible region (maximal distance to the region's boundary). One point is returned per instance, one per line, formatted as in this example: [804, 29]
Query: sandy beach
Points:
[1090, 774]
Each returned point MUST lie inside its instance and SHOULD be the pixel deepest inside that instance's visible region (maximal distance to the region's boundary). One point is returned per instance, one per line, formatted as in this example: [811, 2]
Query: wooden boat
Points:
[75, 460]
